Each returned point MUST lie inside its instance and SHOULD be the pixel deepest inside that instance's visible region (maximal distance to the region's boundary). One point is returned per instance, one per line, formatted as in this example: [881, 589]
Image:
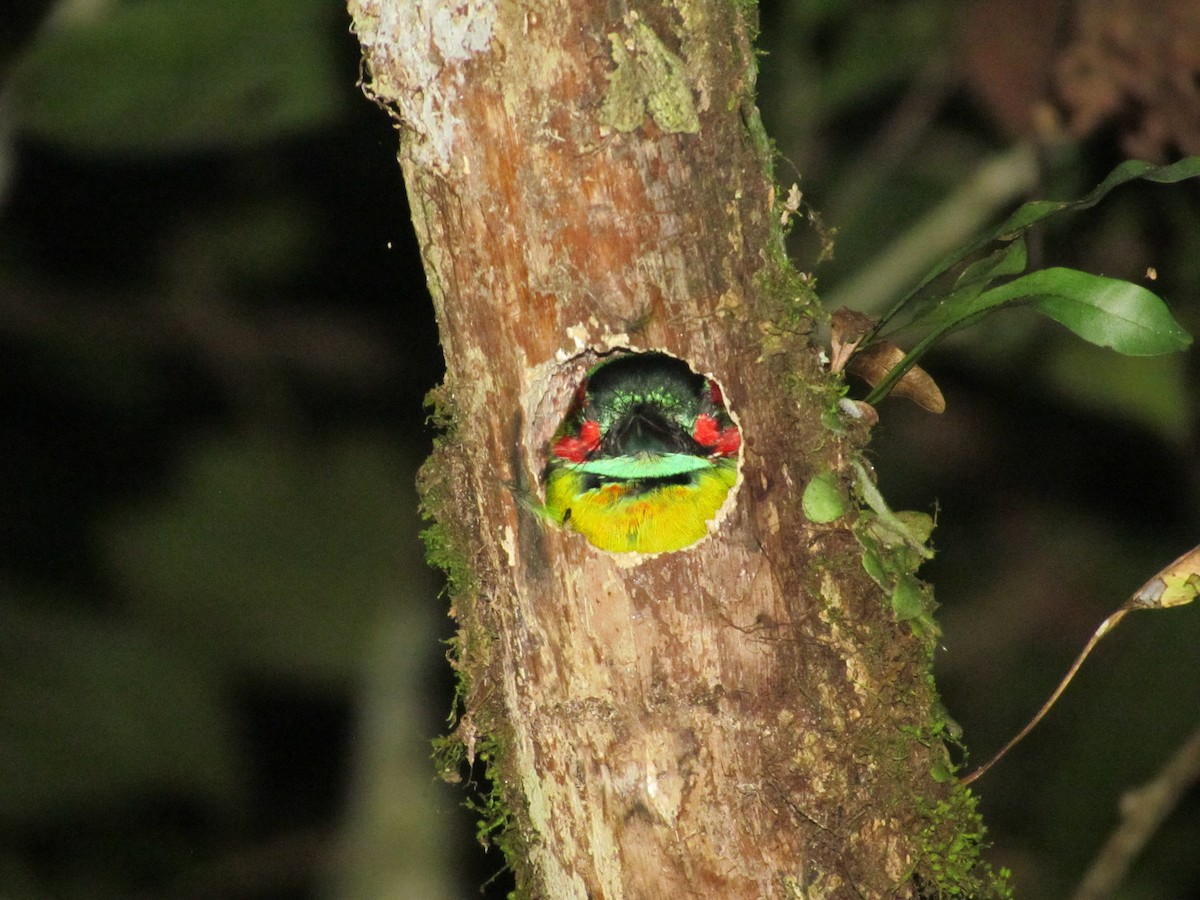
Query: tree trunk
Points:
[742, 718]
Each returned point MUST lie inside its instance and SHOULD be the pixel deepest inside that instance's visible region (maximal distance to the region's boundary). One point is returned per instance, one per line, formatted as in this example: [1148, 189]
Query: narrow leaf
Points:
[1008, 260]
[1105, 311]
[1037, 210]
[1130, 170]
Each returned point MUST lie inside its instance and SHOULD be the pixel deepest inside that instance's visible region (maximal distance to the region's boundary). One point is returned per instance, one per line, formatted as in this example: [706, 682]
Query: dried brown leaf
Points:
[873, 364]
[847, 328]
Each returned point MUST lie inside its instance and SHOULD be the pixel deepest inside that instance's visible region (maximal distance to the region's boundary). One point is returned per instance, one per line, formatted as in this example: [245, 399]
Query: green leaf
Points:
[1106, 311]
[170, 76]
[1008, 260]
[936, 308]
[1130, 170]
[892, 529]
[908, 599]
[93, 710]
[872, 562]
[941, 772]
[1036, 211]
[824, 500]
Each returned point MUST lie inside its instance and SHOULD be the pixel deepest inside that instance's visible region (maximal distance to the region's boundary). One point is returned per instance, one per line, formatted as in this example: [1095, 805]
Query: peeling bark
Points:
[743, 718]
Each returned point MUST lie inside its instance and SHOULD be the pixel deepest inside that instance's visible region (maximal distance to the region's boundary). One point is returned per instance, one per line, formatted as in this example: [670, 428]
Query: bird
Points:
[645, 455]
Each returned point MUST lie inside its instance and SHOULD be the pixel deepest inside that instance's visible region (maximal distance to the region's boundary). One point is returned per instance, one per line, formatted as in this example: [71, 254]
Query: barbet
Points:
[645, 456]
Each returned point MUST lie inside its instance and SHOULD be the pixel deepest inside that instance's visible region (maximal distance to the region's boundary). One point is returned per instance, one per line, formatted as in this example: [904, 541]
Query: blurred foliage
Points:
[174, 76]
[95, 709]
[260, 536]
[219, 658]
[216, 340]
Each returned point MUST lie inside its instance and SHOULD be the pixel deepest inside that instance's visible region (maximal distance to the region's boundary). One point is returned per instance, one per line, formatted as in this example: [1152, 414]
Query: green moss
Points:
[473, 735]
[787, 307]
[445, 546]
[442, 413]
[949, 830]
[950, 864]
[497, 825]
[749, 9]
[495, 815]
[892, 546]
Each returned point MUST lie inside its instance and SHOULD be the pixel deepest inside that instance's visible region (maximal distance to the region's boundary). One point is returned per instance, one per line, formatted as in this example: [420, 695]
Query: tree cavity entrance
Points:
[645, 456]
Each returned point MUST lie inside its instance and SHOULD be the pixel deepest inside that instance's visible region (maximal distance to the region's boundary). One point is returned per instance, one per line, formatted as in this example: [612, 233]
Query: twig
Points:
[1105, 627]
[1173, 585]
[1143, 810]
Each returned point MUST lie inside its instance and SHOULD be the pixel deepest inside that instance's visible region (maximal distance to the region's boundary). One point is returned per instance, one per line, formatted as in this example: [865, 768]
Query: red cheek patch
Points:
[729, 442]
[720, 442]
[576, 448]
[706, 433]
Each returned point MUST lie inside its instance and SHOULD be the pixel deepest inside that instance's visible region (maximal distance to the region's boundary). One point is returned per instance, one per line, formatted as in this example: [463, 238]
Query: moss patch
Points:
[950, 845]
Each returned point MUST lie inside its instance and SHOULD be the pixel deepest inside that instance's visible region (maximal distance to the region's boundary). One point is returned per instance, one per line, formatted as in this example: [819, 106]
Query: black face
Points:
[644, 429]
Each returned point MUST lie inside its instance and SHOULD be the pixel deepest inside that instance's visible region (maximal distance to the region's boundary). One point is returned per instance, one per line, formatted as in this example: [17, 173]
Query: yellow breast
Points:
[664, 518]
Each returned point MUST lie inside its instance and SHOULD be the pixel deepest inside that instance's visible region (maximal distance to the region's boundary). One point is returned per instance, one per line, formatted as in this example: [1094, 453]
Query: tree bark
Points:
[743, 718]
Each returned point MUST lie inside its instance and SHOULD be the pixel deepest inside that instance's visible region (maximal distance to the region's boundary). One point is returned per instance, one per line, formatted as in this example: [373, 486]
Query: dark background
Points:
[220, 657]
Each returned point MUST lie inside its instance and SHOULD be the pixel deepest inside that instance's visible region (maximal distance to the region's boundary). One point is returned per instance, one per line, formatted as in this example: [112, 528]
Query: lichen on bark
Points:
[648, 78]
